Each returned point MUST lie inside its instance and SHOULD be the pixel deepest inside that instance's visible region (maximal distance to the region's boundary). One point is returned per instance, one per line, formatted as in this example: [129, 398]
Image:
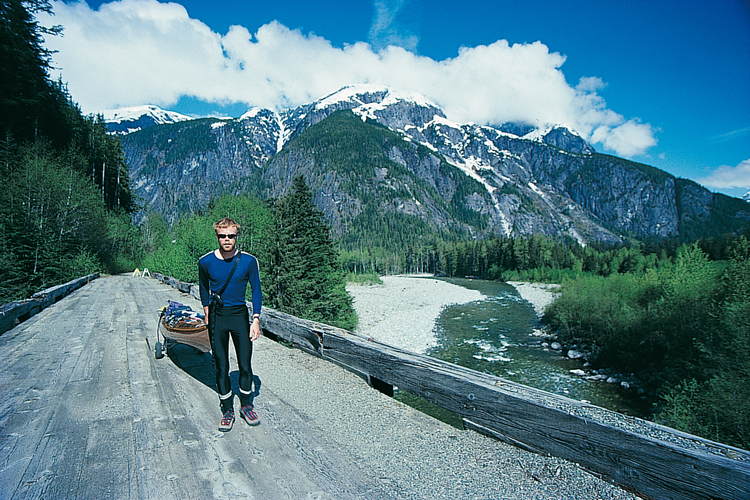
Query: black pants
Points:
[231, 321]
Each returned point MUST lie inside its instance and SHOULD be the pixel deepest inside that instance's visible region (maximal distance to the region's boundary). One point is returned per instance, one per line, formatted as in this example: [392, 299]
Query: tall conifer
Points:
[306, 281]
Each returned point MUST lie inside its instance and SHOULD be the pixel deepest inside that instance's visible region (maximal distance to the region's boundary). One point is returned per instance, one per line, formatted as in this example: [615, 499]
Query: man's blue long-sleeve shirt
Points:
[214, 271]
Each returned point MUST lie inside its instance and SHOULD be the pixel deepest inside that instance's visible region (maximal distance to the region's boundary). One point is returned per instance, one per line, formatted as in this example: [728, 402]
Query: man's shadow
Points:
[200, 366]
[234, 377]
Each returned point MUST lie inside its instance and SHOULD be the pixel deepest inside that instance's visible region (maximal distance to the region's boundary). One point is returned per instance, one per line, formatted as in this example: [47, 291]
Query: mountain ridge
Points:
[547, 180]
[135, 118]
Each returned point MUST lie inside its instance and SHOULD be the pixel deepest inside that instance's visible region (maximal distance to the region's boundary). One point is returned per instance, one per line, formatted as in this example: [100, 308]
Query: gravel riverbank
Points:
[403, 310]
[537, 294]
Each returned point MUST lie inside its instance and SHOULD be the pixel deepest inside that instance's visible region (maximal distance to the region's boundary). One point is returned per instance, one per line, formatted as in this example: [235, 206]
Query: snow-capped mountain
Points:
[746, 197]
[127, 120]
[367, 148]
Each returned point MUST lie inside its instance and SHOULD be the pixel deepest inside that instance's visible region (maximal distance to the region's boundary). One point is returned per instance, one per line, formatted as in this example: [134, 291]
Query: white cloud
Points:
[726, 177]
[590, 84]
[135, 52]
[628, 139]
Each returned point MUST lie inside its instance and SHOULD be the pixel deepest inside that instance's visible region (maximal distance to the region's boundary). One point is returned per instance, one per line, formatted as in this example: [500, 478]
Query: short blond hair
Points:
[225, 222]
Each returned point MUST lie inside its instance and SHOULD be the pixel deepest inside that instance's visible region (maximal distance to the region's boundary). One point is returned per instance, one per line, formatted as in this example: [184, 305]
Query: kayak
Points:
[179, 323]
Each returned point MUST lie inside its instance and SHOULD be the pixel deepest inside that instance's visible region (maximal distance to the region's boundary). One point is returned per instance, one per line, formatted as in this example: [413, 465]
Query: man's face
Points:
[227, 237]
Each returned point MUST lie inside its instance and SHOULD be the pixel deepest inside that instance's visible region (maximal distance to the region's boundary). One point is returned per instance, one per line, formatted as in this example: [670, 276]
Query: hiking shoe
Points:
[227, 421]
[249, 415]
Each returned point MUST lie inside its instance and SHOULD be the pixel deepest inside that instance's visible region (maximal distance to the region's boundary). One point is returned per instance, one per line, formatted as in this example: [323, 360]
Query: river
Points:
[495, 335]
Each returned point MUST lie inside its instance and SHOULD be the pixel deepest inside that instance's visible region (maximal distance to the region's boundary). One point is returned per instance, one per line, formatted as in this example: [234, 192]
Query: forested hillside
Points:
[374, 200]
[66, 200]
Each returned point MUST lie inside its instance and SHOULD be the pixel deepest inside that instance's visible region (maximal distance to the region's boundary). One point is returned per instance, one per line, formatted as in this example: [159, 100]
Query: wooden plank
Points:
[163, 469]
[37, 367]
[84, 452]
[162, 473]
[24, 425]
[84, 393]
[652, 467]
[12, 312]
[55, 293]
[285, 326]
[57, 461]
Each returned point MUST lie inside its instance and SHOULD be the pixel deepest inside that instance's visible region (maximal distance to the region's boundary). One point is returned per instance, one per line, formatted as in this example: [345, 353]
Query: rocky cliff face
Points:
[368, 149]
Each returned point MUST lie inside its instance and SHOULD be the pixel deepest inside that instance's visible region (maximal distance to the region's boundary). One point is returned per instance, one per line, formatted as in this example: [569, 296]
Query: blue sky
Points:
[662, 82]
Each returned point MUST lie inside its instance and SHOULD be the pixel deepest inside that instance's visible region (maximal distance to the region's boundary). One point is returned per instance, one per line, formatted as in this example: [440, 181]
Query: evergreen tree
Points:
[305, 280]
[29, 102]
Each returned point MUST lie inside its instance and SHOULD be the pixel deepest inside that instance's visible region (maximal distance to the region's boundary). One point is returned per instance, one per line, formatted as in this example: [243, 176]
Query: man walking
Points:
[223, 276]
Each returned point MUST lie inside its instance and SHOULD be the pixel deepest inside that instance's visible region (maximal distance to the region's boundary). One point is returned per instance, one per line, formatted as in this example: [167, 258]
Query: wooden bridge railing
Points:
[649, 459]
[20, 310]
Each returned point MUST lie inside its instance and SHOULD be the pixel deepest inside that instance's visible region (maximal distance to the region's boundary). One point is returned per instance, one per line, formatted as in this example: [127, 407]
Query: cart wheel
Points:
[158, 350]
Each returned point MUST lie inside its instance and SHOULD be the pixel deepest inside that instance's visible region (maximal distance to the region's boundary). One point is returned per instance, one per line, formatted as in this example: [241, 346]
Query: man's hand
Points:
[255, 329]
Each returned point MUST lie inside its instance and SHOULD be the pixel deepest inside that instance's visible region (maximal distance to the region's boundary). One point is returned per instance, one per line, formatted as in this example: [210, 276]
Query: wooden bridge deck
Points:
[87, 412]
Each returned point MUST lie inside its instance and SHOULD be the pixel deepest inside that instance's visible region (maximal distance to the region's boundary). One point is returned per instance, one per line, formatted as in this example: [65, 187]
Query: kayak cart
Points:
[179, 324]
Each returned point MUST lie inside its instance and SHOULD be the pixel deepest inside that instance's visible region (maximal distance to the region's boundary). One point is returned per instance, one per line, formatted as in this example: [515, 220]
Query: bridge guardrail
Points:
[13, 313]
[649, 459]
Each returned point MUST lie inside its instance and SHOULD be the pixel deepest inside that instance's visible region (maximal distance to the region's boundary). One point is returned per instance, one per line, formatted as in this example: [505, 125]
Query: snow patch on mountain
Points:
[378, 97]
[422, 122]
[251, 113]
[132, 119]
[538, 134]
[159, 115]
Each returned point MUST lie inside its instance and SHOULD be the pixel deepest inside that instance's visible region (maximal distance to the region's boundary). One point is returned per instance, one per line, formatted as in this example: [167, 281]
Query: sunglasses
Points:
[223, 236]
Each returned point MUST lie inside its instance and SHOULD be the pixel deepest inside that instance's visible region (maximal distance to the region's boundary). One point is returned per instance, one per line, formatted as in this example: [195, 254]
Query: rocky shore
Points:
[403, 310]
[537, 294]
